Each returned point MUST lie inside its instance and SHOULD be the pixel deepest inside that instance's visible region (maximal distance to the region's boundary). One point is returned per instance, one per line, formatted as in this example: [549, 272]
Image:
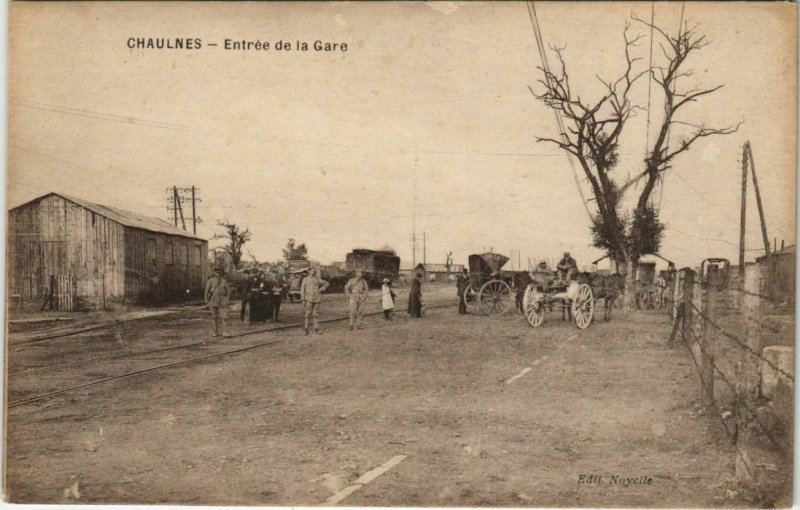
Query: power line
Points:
[714, 205]
[650, 77]
[537, 32]
[674, 82]
[104, 116]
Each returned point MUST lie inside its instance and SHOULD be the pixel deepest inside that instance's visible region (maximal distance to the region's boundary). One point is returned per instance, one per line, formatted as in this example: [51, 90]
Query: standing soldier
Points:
[279, 291]
[217, 293]
[356, 290]
[415, 297]
[462, 283]
[245, 288]
[311, 296]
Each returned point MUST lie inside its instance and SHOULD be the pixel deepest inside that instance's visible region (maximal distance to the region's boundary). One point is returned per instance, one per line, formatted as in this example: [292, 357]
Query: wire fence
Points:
[740, 334]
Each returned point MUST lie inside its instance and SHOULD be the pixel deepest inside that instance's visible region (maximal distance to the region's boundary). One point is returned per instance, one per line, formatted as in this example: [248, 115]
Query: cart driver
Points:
[542, 275]
[567, 267]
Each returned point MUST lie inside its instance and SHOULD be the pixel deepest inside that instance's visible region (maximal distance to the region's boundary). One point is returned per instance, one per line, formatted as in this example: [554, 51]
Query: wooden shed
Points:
[89, 255]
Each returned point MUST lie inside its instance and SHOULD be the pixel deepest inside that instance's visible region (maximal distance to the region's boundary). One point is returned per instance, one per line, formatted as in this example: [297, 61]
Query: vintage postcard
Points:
[481, 254]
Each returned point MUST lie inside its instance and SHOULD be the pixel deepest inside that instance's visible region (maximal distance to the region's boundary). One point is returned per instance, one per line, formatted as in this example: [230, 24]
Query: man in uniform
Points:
[278, 293]
[567, 267]
[311, 296]
[356, 290]
[217, 294]
[462, 282]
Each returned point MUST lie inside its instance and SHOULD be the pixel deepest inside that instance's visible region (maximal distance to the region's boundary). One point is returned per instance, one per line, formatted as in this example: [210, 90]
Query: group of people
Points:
[263, 294]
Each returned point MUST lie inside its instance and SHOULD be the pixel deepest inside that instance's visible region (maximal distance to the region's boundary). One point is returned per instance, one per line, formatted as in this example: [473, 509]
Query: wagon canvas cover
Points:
[486, 264]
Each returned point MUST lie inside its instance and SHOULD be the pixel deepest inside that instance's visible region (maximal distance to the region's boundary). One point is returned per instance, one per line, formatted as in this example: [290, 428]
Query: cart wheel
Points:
[495, 297]
[646, 300]
[583, 306]
[533, 307]
[471, 300]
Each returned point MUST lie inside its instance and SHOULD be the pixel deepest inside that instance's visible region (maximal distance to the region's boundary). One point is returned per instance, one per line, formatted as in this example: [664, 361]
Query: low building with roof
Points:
[88, 255]
[439, 272]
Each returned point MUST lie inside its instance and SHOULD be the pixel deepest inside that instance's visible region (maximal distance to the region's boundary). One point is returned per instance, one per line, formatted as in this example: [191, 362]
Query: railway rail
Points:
[51, 394]
[95, 327]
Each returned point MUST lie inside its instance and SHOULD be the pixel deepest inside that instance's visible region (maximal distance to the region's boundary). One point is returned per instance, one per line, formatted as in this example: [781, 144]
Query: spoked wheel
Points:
[648, 299]
[533, 307]
[495, 297]
[583, 306]
[471, 300]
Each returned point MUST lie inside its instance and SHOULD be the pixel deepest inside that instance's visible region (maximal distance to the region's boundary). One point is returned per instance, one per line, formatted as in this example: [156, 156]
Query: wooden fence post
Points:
[707, 342]
[688, 311]
[749, 377]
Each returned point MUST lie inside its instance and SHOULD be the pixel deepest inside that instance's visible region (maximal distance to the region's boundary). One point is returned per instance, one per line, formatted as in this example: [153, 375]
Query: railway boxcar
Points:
[375, 264]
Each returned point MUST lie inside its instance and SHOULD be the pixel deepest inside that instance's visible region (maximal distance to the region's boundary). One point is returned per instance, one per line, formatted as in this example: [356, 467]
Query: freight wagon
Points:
[375, 264]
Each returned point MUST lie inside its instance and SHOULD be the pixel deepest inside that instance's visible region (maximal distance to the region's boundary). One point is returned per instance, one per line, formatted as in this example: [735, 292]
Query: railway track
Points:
[96, 327]
[193, 347]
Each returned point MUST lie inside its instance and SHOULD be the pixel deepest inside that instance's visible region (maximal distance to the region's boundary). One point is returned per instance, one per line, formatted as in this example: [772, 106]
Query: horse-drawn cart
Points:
[489, 291]
[577, 298]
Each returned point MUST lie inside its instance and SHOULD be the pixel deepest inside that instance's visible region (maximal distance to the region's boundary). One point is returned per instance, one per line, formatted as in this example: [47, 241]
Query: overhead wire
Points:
[537, 32]
[650, 75]
[680, 28]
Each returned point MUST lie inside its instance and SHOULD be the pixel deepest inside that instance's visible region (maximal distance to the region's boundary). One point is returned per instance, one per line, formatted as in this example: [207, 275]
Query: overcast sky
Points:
[425, 124]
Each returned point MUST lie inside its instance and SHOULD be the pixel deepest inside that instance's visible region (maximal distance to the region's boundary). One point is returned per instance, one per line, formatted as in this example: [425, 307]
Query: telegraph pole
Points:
[177, 196]
[743, 218]
[194, 216]
[424, 253]
[414, 249]
[175, 204]
[758, 197]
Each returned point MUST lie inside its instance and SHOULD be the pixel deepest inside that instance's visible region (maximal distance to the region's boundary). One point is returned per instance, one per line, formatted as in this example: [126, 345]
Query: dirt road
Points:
[459, 410]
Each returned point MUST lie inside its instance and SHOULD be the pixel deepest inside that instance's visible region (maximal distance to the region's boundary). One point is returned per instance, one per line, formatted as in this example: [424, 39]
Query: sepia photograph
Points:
[400, 254]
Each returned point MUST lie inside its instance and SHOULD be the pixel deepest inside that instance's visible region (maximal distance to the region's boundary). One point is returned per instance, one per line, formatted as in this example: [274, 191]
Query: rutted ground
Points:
[297, 422]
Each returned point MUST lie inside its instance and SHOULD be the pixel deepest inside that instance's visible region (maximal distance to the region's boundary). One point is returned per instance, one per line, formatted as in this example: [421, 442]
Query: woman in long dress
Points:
[258, 301]
[415, 297]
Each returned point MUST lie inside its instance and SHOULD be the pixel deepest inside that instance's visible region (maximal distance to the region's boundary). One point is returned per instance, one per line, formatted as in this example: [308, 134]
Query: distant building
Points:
[778, 275]
[439, 272]
[95, 253]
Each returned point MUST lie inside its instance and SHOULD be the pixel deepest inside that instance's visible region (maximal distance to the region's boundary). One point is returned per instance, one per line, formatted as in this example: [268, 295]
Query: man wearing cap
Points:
[311, 296]
[462, 283]
[356, 290]
[542, 275]
[415, 297]
[567, 267]
[217, 294]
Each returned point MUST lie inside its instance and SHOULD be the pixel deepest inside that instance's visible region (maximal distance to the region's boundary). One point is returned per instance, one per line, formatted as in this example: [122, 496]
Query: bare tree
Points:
[592, 129]
[235, 239]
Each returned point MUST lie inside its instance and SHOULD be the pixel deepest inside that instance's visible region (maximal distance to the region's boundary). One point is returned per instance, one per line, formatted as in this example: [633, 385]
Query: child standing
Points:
[387, 299]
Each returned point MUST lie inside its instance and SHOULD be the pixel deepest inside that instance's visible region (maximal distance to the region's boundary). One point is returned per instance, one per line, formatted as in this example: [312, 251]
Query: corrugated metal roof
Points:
[123, 217]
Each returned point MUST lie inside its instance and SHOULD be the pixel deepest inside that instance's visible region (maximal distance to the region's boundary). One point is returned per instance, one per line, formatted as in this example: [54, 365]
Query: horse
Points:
[604, 287]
